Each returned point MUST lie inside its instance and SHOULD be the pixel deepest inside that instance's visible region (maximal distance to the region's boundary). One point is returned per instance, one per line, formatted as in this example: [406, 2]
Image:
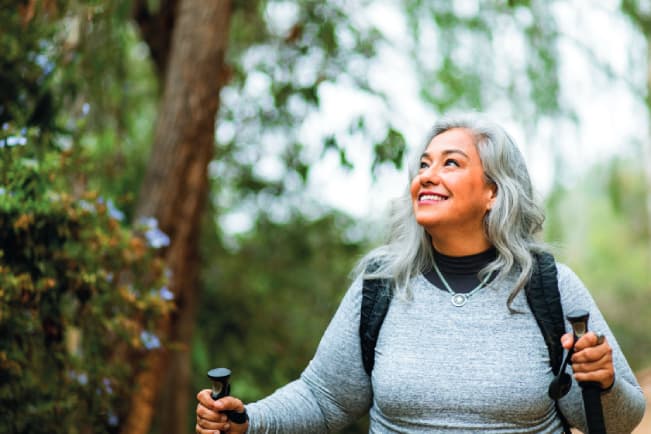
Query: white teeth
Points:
[432, 197]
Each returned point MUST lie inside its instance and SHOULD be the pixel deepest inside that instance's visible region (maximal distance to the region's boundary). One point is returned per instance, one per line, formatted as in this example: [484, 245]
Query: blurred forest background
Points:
[159, 213]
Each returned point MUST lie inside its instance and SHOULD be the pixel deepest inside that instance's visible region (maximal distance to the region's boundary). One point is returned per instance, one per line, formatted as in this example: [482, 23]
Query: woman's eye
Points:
[451, 162]
[423, 165]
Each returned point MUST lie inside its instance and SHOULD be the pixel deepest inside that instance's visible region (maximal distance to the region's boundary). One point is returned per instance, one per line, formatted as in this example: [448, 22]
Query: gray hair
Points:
[511, 225]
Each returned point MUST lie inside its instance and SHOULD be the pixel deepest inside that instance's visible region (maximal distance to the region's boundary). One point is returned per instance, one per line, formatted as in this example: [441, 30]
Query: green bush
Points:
[79, 292]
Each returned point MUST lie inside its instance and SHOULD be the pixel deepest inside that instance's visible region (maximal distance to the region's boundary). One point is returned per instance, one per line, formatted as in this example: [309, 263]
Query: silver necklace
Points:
[458, 298]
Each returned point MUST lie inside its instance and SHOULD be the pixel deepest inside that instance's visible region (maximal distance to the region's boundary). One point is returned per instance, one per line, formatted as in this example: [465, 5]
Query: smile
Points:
[431, 197]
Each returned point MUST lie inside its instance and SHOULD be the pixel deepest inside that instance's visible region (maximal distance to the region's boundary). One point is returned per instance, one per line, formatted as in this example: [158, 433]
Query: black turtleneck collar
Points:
[460, 271]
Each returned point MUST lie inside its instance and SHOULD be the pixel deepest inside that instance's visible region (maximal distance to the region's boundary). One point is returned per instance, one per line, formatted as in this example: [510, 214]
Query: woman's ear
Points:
[493, 195]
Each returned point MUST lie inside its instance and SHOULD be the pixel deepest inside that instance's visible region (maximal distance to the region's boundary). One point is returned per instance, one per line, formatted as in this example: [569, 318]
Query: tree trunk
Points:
[174, 191]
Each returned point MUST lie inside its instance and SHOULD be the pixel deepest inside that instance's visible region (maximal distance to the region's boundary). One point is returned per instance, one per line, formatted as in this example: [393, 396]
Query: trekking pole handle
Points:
[221, 387]
[220, 382]
[579, 320]
[590, 390]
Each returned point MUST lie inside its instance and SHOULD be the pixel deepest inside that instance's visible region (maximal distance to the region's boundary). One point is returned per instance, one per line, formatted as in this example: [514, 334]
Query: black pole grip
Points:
[590, 390]
[221, 387]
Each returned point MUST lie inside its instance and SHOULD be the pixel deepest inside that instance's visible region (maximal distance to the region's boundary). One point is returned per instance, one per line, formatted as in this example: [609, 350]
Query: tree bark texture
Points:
[174, 191]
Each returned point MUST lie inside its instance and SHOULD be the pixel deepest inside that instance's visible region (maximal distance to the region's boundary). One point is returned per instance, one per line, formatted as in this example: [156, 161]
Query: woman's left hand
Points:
[592, 359]
[210, 416]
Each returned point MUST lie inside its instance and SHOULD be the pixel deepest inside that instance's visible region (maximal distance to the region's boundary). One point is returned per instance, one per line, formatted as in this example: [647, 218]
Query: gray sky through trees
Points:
[602, 72]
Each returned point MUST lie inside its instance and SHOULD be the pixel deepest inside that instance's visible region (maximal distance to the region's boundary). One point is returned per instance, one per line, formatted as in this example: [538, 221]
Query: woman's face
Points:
[450, 194]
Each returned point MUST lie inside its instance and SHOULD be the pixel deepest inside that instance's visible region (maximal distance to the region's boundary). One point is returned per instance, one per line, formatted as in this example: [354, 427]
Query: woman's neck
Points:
[461, 246]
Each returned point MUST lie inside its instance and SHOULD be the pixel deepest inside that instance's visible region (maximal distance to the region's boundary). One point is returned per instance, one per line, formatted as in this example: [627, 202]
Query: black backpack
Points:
[542, 295]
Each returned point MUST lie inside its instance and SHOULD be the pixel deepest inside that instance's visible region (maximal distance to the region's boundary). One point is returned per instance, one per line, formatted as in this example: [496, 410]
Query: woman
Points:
[459, 349]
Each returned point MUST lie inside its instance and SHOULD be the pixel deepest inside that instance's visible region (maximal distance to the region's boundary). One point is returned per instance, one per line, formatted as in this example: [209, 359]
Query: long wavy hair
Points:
[512, 224]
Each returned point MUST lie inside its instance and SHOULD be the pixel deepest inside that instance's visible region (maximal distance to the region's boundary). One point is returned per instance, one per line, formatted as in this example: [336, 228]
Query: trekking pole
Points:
[590, 390]
[221, 387]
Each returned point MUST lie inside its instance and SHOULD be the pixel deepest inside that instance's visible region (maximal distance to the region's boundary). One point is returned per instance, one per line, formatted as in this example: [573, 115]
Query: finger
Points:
[199, 430]
[210, 425]
[590, 339]
[596, 376]
[228, 403]
[567, 340]
[603, 377]
[604, 363]
[601, 371]
[210, 415]
[204, 398]
[593, 353]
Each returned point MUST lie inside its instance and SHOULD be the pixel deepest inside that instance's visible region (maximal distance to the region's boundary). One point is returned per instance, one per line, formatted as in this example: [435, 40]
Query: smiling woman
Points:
[451, 194]
[475, 362]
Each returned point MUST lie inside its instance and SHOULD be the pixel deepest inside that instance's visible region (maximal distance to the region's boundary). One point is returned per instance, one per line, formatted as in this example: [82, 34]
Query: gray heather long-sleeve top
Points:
[445, 369]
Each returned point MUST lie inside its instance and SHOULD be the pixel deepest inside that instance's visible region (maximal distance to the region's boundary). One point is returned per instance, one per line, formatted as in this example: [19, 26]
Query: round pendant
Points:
[459, 300]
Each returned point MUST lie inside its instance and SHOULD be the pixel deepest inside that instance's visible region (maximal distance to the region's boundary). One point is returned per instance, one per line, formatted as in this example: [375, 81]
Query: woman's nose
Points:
[429, 176]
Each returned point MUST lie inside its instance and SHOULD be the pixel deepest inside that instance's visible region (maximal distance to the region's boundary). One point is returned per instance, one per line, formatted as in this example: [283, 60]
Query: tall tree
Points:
[189, 49]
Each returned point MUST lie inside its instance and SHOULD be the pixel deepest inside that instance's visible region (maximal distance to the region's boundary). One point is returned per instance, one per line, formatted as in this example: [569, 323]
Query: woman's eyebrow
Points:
[445, 152]
[454, 151]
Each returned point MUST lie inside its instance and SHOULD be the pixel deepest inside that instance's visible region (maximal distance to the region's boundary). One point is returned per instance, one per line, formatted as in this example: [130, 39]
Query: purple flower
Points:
[107, 386]
[86, 206]
[113, 420]
[149, 340]
[113, 211]
[13, 141]
[155, 237]
[166, 294]
[81, 377]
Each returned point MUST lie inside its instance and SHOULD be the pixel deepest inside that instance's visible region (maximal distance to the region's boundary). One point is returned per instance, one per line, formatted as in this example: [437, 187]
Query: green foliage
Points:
[108, 86]
[391, 149]
[603, 232]
[26, 70]
[77, 72]
[282, 54]
[476, 54]
[639, 14]
[268, 300]
[80, 294]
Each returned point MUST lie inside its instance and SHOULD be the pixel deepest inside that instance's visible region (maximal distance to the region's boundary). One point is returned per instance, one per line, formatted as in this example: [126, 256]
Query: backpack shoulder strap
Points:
[376, 297]
[544, 300]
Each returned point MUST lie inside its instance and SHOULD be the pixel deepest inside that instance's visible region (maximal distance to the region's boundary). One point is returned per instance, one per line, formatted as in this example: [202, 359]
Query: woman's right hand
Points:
[592, 359]
[210, 416]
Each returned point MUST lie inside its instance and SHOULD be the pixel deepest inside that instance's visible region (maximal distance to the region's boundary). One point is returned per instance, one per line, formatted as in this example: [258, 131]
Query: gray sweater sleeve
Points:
[624, 404]
[334, 389]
